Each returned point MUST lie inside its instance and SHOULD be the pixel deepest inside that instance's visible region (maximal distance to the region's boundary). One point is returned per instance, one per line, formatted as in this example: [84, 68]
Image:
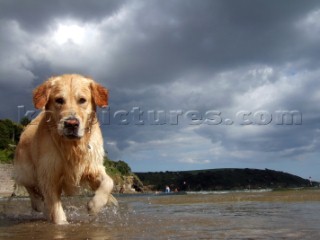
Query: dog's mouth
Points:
[72, 136]
[71, 128]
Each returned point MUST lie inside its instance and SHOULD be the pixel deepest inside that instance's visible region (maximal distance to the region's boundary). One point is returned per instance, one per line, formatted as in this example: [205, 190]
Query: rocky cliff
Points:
[7, 183]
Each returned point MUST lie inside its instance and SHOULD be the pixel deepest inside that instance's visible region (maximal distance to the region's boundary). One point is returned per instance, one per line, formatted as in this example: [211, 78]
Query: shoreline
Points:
[7, 188]
[262, 195]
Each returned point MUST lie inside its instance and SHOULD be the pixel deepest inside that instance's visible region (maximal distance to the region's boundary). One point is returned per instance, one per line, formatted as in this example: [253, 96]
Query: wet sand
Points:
[235, 215]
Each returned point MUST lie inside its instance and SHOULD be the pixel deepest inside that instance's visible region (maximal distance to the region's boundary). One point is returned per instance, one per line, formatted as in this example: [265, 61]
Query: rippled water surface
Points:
[233, 215]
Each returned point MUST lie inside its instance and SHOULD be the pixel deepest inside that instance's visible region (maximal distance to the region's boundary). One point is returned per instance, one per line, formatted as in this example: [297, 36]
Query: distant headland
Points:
[222, 179]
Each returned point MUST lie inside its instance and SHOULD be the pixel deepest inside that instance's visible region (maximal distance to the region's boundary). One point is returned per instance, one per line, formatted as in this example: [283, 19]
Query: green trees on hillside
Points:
[9, 137]
[117, 167]
[222, 179]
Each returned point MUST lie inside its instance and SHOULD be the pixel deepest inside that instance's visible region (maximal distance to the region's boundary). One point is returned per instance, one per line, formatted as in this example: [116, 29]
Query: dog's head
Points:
[70, 101]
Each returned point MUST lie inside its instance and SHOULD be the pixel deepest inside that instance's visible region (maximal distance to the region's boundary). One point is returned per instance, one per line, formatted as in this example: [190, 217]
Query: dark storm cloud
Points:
[34, 16]
[179, 36]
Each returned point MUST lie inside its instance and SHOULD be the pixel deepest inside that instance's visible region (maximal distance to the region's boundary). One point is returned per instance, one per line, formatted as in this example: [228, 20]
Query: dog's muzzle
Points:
[71, 128]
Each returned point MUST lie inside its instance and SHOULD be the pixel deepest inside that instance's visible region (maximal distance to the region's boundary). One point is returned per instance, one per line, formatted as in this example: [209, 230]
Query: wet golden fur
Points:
[50, 160]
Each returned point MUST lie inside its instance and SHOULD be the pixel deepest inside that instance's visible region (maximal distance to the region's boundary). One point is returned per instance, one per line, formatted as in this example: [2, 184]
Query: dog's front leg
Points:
[102, 184]
[53, 207]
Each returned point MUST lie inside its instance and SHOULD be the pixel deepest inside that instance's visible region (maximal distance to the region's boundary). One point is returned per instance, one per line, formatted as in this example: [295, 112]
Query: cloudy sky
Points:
[193, 84]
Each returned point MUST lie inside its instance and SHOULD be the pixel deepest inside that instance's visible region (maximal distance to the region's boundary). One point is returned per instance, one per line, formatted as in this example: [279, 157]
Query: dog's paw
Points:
[99, 201]
[96, 203]
[63, 222]
[90, 208]
[94, 207]
[59, 220]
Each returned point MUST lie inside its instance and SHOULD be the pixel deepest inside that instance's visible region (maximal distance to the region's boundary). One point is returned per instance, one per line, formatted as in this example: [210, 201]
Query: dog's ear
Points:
[41, 95]
[100, 94]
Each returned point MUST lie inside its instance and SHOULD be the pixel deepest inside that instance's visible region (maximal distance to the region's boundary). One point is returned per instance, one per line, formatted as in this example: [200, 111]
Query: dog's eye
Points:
[82, 100]
[60, 101]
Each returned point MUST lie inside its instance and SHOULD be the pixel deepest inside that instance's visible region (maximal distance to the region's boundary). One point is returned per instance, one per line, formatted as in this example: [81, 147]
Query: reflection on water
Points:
[246, 215]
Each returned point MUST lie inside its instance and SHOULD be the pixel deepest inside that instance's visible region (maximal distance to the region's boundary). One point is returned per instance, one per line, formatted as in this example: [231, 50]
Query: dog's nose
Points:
[71, 123]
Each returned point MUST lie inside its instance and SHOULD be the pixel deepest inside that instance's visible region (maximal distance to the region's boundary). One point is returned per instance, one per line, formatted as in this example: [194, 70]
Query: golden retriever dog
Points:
[62, 147]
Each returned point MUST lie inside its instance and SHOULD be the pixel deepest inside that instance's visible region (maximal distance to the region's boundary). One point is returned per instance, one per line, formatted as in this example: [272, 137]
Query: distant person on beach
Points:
[167, 189]
[184, 186]
[310, 180]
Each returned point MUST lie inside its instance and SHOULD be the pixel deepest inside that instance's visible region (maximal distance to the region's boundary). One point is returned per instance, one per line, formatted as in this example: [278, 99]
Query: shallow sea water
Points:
[207, 215]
